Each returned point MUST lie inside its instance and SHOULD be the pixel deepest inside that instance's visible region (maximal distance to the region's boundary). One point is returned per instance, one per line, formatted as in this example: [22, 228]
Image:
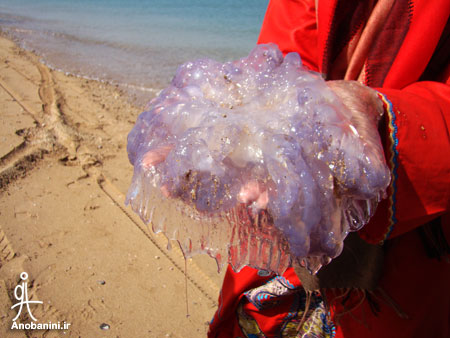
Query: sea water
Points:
[134, 43]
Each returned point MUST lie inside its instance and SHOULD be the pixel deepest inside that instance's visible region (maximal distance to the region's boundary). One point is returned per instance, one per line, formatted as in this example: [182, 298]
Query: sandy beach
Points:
[64, 176]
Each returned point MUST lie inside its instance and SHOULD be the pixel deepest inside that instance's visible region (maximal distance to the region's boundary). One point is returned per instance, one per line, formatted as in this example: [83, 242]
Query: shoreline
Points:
[137, 95]
[64, 174]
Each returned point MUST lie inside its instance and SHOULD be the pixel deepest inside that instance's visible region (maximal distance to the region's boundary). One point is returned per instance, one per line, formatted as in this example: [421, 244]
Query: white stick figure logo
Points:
[23, 297]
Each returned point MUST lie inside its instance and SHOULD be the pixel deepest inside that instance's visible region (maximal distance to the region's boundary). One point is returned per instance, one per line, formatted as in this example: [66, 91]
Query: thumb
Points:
[364, 104]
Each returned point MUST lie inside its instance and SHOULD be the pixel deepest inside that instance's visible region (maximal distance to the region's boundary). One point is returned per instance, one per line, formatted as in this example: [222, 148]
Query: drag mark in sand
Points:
[35, 143]
[17, 162]
[48, 133]
[16, 97]
[53, 116]
[197, 277]
[53, 135]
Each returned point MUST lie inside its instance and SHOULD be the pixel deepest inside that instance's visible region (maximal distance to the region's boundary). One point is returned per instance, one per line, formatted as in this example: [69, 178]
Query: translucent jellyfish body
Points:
[265, 122]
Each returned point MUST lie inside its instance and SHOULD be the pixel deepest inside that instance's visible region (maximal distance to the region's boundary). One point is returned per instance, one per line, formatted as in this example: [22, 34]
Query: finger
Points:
[249, 192]
[254, 192]
[155, 156]
[360, 99]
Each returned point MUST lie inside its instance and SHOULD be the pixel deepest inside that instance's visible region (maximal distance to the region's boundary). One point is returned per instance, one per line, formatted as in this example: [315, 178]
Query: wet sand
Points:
[64, 174]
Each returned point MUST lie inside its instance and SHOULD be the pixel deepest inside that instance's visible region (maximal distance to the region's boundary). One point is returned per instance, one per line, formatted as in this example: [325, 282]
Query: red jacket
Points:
[408, 61]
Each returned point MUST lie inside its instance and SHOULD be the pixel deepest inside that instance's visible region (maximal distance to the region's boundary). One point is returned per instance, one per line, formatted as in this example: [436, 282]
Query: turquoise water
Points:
[137, 43]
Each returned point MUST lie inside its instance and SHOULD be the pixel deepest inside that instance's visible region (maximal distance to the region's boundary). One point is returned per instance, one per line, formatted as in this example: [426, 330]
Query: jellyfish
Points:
[254, 162]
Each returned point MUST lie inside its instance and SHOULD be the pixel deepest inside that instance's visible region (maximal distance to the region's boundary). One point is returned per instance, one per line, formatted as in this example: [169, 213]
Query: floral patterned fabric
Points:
[308, 317]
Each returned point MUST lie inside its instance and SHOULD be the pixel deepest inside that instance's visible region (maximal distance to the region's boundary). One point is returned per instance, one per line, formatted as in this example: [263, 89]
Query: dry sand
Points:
[64, 176]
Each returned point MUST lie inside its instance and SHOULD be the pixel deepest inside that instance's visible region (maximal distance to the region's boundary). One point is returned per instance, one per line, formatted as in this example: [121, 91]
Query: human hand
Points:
[365, 106]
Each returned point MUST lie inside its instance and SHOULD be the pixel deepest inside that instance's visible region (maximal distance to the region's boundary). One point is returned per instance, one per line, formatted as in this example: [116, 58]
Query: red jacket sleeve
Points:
[417, 149]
